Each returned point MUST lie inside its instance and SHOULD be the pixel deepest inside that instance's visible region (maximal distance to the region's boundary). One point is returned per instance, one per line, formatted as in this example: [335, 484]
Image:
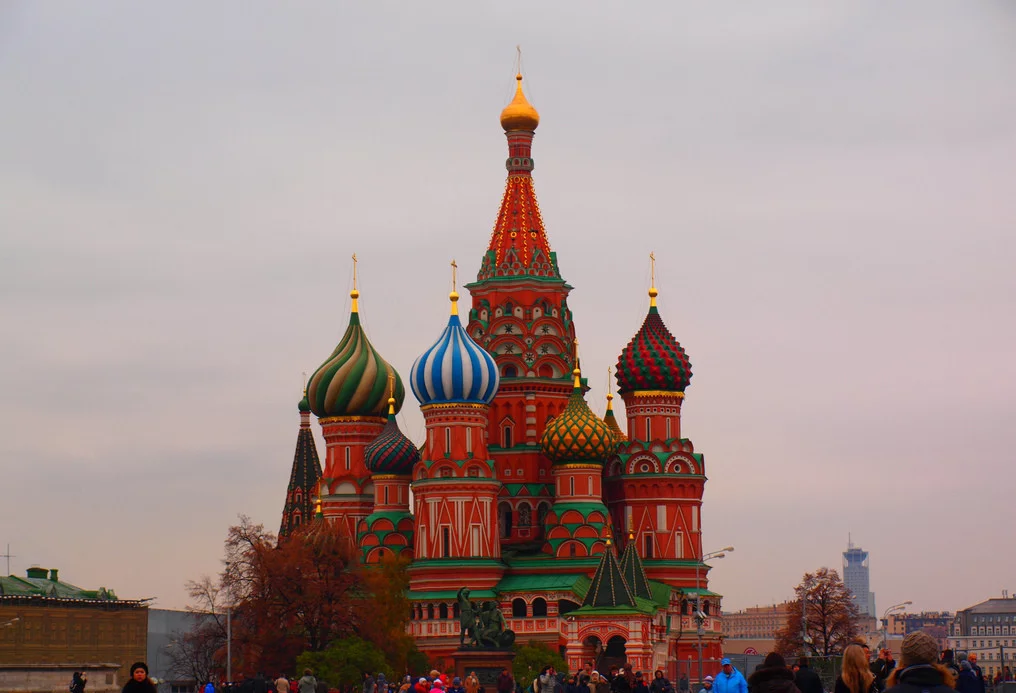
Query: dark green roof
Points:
[38, 583]
[577, 584]
[609, 588]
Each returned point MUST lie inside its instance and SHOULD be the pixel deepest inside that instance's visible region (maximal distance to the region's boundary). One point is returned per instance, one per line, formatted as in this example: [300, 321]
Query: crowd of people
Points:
[922, 669]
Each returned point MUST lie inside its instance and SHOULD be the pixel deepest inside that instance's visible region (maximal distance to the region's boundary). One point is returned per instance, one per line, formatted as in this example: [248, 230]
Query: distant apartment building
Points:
[935, 623]
[989, 630]
[857, 578]
[756, 622]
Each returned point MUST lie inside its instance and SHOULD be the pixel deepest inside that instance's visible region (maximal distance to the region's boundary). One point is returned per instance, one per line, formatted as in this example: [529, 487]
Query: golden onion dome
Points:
[519, 114]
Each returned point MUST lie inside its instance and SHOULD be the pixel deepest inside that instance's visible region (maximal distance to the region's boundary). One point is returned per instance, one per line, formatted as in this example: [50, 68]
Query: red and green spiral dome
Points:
[653, 359]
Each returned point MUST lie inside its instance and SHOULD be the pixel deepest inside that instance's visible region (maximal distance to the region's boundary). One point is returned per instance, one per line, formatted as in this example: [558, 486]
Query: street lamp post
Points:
[885, 621]
[699, 616]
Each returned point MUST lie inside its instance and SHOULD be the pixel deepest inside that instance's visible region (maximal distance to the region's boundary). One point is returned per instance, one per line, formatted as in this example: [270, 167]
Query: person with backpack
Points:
[209, 687]
[79, 680]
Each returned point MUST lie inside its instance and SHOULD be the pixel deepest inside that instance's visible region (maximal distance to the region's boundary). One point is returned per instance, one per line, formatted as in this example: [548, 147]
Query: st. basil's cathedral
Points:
[520, 492]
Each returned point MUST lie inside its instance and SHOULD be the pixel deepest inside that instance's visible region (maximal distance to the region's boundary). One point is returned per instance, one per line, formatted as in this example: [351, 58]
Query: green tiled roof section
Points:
[44, 587]
[691, 592]
[448, 595]
[661, 592]
[553, 582]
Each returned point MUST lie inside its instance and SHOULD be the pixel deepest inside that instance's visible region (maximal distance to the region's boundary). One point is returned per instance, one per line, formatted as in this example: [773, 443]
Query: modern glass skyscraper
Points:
[857, 578]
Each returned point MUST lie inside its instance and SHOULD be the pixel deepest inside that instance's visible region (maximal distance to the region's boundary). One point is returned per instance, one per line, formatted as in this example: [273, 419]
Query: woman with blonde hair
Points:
[856, 676]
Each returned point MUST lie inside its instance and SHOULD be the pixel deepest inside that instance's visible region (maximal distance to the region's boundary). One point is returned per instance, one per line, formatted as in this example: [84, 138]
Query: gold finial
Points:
[519, 114]
[631, 530]
[317, 507]
[577, 372]
[653, 293]
[610, 395]
[355, 294]
[454, 295]
[609, 543]
[305, 383]
[391, 394]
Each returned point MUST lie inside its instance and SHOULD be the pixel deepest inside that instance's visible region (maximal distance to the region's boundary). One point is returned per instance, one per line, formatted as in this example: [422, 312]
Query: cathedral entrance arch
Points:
[614, 653]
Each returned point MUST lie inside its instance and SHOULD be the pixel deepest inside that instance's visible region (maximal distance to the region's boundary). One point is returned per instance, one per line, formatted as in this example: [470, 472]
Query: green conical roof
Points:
[633, 572]
[609, 587]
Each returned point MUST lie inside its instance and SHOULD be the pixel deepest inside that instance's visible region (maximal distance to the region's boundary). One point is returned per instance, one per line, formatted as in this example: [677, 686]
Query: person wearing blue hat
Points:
[729, 680]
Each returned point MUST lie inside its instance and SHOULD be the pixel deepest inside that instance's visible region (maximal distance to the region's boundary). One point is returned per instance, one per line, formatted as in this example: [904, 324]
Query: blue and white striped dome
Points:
[455, 369]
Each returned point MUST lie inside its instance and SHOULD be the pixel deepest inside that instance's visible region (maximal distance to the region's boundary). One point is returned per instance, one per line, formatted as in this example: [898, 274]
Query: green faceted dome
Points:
[577, 434]
[354, 381]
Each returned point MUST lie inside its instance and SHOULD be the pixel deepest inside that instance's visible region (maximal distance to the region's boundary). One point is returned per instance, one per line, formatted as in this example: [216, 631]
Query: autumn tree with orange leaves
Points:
[300, 595]
[832, 617]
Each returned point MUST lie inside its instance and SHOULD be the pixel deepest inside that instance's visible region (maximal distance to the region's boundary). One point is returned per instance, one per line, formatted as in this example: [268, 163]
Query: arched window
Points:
[539, 607]
[668, 428]
[649, 428]
[572, 549]
[430, 611]
[525, 514]
[469, 440]
[442, 611]
[504, 516]
[509, 371]
[448, 441]
[571, 486]
[518, 608]
[648, 553]
[507, 437]
[705, 607]
[349, 461]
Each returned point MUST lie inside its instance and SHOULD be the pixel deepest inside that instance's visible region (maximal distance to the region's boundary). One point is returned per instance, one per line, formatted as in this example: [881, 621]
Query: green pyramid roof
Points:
[609, 588]
[633, 571]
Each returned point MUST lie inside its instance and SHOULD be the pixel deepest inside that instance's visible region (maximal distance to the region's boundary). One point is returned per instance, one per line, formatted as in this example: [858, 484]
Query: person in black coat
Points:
[806, 678]
[919, 670]
[773, 676]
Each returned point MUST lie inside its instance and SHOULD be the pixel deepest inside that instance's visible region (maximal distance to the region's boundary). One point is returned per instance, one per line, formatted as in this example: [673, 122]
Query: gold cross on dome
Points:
[354, 270]
[455, 267]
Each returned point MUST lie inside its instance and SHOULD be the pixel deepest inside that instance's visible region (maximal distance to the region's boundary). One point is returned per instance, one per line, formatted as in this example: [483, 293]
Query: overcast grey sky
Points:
[828, 188]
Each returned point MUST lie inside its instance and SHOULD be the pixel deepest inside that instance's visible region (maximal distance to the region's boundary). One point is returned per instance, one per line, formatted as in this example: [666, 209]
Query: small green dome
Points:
[304, 405]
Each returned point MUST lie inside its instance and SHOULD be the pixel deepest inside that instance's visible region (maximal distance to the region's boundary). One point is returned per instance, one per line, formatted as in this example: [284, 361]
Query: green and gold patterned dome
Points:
[353, 381]
[577, 434]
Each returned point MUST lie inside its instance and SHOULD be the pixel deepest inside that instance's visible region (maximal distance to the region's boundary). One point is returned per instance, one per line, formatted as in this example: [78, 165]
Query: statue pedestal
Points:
[486, 663]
